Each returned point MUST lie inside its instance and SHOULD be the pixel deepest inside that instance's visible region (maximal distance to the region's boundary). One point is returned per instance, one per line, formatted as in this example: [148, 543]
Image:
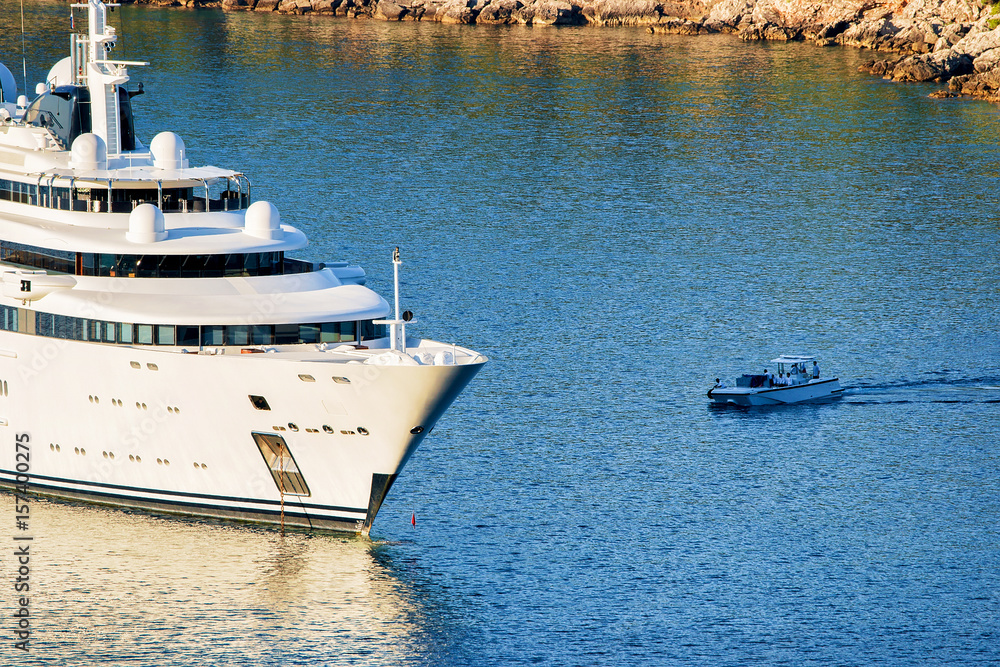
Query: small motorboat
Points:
[797, 381]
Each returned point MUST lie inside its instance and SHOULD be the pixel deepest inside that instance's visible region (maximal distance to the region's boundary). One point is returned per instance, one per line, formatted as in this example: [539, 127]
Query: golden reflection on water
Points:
[113, 583]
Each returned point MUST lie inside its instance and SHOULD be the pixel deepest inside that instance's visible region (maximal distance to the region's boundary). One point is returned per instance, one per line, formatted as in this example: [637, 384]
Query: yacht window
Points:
[170, 266]
[107, 267]
[44, 324]
[165, 334]
[91, 330]
[8, 319]
[286, 334]
[238, 335]
[75, 328]
[234, 265]
[259, 402]
[187, 335]
[309, 333]
[126, 124]
[61, 261]
[261, 334]
[213, 335]
[144, 334]
[126, 265]
[281, 463]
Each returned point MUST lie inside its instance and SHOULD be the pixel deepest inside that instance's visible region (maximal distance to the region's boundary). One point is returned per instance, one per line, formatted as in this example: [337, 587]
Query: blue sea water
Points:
[616, 219]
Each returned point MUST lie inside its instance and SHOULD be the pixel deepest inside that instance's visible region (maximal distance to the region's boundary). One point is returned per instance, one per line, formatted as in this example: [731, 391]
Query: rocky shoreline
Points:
[953, 41]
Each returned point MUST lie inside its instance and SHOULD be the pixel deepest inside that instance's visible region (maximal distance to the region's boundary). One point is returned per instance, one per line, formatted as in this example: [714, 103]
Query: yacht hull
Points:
[169, 432]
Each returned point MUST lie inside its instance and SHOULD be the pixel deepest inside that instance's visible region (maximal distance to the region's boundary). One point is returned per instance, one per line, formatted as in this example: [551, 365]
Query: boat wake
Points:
[938, 387]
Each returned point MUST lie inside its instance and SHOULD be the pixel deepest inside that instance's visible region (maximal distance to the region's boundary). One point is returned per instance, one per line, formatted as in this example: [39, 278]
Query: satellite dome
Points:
[88, 152]
[263, 221]
[168, 151]
[146, 225]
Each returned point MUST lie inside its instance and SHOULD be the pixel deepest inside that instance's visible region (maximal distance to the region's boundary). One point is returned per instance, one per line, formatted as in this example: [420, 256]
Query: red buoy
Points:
[413, 519]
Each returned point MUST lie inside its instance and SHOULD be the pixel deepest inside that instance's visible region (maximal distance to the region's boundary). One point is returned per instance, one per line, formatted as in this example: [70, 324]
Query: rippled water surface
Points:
[615, 218]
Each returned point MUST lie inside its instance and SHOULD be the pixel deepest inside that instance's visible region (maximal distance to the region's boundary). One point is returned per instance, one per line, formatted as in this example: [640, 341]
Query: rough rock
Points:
[387, 10]
[621, 12]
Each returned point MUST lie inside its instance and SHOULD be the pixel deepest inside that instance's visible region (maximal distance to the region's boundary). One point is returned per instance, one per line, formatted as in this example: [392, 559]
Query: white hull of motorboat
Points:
[814, 391]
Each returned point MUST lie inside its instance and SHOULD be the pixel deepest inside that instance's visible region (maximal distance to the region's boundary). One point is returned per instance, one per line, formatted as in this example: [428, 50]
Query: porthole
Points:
[166, 462]
[144, 406]
[96, 400]
[138, 459]
[306, 378]
[204, 467]
[90, 398]
[138, 405]
[341, 380]
[417, 429]
[52, 447]
[195, 465]
[259, 402]
[135, 364]
[76, 449]
[131, 458]
[105, 455]
[170, 409]
[159, 462]
[5, 388]
[362, 430]
[111, 455]
[293, 427]
[58, 448]
[327, 428]
[83, 452]
[312, 430]
[152, 367]
[177, 411]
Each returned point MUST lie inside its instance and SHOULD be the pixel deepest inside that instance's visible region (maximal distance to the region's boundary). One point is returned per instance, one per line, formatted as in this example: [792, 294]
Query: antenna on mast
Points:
[24, 58]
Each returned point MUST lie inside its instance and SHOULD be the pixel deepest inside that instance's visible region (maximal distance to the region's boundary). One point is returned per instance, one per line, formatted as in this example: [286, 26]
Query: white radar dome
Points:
[61, 73]
[146, 225]
[168, 151]
[8, 86]
[88, 152]
[263, 221]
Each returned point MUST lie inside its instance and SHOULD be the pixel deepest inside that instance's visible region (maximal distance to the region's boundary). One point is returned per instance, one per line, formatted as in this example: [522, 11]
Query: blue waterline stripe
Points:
[205, 496]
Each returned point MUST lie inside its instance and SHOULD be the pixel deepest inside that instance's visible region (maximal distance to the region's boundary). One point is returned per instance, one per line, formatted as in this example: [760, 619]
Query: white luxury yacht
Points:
[160, 348]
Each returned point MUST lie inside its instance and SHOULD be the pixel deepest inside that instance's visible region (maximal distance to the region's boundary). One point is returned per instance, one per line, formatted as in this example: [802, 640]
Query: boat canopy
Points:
[792, 359]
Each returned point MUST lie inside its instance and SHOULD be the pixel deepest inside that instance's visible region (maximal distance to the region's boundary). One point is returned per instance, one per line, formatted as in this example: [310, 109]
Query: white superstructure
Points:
[160, 347]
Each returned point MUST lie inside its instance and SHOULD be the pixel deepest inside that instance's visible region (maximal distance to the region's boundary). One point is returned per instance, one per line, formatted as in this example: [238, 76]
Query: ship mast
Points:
[91, 67]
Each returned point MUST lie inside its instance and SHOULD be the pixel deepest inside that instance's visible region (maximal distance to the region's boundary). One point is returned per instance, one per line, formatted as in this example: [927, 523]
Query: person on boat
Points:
[719, 384]
[768, 378]
[815, 371]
